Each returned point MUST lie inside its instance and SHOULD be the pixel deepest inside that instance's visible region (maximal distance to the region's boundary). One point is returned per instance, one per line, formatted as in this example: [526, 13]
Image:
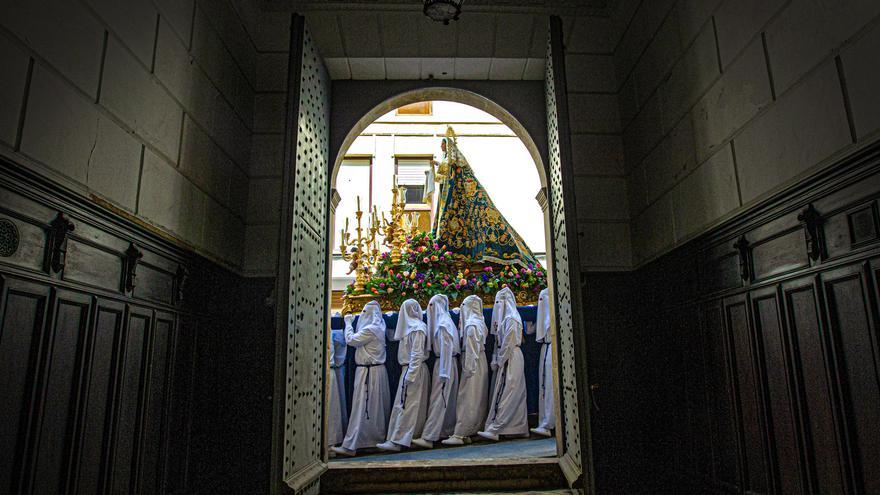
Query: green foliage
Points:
[427, 268]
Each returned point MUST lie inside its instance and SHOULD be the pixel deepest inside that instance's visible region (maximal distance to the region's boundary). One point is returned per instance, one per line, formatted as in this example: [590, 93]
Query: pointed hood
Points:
[409, 320]
[472, 315]
[542, 322]
[438, 318]
[505, 308]
[371, 320]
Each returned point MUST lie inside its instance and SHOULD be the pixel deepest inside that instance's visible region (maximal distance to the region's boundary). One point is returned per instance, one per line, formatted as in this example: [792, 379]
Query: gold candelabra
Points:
[394, 229]
[364, 252]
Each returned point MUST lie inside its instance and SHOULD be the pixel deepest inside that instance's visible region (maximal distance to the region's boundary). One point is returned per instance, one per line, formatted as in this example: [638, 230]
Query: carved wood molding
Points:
[180, 279]
[56, 247]
[812, 221]
[745, 269]
[133, 256]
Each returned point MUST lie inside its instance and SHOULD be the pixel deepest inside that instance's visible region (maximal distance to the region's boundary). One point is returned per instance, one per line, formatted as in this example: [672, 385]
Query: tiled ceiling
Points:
[497, 40]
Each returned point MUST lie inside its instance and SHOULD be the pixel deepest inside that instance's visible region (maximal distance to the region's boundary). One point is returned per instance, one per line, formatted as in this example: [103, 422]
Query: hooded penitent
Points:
[546, 397]
[473, 390]
[444, 384]
[371, 399]
[337, 410]
[411, 403]
[507, 406]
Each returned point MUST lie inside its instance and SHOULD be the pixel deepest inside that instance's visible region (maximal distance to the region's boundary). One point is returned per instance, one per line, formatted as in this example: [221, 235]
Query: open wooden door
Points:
[574, 417]
[301, 289]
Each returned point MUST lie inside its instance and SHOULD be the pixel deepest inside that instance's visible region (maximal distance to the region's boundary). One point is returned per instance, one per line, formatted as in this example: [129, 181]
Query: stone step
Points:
[501, 476]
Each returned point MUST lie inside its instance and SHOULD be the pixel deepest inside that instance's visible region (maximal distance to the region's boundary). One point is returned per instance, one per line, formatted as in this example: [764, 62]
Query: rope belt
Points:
[544, 368]
[367, 385]
[500, 390]
[404, 386]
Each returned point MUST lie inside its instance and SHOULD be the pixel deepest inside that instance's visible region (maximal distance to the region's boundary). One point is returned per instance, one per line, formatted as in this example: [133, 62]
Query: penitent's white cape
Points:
[371, 401]
[546, 398]
[337, 409]
[444, 383]
[411, 403]
[507, 404]
[473, 389]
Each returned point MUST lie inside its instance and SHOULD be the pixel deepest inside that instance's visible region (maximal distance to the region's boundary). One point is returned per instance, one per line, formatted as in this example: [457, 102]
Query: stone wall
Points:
[724, 103]
[146, 104]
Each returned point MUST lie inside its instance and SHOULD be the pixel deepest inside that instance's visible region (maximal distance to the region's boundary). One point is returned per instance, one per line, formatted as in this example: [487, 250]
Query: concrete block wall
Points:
[270, 32]
[597, 144]
[147, 104]
[724, 102]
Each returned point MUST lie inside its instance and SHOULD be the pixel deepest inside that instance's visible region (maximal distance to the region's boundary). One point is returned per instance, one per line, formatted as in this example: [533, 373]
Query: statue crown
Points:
[450, 132]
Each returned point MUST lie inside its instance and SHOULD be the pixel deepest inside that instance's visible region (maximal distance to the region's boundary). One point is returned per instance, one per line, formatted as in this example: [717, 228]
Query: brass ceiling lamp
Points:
[443, 10]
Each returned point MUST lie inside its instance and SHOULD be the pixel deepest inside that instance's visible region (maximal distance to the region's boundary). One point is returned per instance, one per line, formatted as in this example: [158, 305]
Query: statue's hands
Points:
[348, 319]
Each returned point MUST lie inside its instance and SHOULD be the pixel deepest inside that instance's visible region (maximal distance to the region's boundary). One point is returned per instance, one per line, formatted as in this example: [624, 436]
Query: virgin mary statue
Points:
[466, 220]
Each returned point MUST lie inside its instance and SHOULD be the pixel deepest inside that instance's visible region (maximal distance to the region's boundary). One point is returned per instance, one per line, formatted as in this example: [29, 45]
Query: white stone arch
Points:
[456, 95]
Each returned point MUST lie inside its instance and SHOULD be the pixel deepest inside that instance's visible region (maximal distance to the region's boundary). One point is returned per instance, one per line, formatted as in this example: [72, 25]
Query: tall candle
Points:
[359, 202]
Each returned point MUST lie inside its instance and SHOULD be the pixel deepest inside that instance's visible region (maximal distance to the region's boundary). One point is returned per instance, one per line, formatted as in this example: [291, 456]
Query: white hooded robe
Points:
[507, 406]
[444, 384]
[546, 397]
[371, 401]
[473, 389]
[338, 409]
[411, 402]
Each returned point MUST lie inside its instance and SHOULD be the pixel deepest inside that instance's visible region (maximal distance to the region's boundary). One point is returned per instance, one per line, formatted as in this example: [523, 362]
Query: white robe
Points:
[507, 406]
[337, 409]
[411, 402]
[546, 392]
[371, 401]
[473, 389]
[444, 382]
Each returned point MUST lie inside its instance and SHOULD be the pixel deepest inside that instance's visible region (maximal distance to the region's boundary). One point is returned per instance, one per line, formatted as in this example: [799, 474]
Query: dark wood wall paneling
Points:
[111, 375]
[747, 361]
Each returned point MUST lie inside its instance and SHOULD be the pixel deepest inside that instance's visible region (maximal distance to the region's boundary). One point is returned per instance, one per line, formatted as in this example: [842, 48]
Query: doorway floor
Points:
[511, 449]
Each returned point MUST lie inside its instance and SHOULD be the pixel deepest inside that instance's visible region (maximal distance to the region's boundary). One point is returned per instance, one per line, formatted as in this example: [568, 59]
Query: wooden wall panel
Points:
[814, 373]
[855, 336]
[106, 335]
[23, 311]
[97, 380]
[127, 434]
[787, 347]
[155, 405]
[720, 399]
[58, 387]
[747, 389]
[782, 424]
[179, 422]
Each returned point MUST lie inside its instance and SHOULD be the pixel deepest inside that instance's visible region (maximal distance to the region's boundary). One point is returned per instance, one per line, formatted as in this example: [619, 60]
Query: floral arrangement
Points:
[428, 268]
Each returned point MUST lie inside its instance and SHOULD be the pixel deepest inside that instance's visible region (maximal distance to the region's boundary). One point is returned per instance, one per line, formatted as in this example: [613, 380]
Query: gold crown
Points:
[450, 132]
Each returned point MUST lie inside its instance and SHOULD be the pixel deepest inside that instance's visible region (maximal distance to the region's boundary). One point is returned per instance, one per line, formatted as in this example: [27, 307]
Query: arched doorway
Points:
[382, 158]
[302, 304]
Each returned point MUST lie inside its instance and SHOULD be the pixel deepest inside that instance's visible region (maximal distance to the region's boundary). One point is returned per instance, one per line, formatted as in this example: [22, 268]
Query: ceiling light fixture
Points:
[443, 10]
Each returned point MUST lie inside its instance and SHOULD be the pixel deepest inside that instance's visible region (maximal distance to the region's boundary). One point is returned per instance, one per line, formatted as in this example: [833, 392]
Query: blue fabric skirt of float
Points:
[531, 355]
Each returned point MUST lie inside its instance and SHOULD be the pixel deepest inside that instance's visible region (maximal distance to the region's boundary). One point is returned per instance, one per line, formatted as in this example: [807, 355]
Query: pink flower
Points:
[488, 268]
[426, 259]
